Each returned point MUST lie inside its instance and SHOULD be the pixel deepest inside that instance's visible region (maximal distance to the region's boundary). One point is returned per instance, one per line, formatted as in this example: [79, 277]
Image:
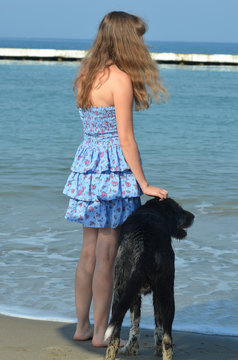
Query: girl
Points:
[107, 178]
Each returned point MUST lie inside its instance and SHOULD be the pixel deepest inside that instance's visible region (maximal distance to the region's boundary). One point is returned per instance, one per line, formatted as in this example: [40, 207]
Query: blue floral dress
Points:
[102, 189]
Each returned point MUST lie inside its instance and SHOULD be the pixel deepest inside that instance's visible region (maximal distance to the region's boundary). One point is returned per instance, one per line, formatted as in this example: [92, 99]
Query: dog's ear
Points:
[184, 220]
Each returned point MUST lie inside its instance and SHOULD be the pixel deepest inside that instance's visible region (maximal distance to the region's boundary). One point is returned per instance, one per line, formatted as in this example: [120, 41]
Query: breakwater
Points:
[77, 55]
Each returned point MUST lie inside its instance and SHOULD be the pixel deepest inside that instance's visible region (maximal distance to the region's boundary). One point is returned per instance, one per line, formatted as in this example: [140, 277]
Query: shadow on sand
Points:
[146, 343]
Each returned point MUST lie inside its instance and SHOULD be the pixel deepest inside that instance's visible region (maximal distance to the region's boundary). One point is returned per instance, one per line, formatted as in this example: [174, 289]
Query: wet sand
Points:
[23, 339]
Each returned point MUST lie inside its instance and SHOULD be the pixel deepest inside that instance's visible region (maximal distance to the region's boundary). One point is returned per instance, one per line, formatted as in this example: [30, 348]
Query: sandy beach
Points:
[25, 339]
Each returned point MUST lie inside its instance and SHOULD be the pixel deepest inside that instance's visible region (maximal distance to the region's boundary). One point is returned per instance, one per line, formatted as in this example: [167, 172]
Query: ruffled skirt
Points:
[102, 189]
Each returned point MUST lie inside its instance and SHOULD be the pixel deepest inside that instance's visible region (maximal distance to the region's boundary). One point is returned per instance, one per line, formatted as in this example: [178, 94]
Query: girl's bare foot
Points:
[83, 334]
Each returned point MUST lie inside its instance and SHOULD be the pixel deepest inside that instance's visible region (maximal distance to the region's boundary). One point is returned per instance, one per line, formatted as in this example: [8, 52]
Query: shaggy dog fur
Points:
[144, 264]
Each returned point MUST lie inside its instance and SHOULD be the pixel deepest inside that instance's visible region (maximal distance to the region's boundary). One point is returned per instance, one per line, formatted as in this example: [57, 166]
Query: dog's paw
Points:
[112, 350]
[129, 349]
[158, 351]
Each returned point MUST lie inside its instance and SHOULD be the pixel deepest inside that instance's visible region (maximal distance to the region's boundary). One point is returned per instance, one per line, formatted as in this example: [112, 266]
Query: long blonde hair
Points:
[120, 40]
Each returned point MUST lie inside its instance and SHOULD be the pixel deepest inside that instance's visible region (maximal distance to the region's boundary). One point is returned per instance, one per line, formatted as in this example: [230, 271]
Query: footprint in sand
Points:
[56, 352]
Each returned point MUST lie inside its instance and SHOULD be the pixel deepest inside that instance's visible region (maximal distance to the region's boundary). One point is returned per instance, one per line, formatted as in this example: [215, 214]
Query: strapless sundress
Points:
[102, 189]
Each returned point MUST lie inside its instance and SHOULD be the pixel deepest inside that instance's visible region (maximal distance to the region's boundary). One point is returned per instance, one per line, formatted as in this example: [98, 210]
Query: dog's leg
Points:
[164, 298]
[167, 311]
[132, 346]
[113, 331]
[119, 309]
[113, 346]
[158, 333]
[167, 347]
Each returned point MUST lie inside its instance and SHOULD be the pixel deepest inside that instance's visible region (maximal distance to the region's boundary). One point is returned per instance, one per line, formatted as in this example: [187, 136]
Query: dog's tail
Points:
[109, 332]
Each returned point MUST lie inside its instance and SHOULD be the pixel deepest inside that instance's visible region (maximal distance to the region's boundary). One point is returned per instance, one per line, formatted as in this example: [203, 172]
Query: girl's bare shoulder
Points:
[119, 75]
[121, 87]
[120, 81]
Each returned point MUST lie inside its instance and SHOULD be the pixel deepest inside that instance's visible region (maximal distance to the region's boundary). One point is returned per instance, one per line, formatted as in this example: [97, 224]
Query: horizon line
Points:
[84, 39]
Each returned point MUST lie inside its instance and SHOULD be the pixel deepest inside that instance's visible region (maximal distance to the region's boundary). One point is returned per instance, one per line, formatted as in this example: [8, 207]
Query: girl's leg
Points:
[106, 250]
[83, 283]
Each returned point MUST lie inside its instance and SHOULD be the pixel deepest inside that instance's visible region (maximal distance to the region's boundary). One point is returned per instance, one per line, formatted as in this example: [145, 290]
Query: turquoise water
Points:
[160, 46]
[188, 146]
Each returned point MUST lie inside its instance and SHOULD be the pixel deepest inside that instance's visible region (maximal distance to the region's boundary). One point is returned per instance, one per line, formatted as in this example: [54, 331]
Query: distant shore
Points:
[23, 339]
[77, 55]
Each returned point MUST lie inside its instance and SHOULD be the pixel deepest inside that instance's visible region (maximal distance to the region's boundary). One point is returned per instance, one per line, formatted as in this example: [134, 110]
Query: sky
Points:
[168, 20]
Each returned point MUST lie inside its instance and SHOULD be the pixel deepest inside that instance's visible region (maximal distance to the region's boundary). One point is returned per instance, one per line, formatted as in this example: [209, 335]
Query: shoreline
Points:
[28, 339]
[126, 325]
[77, 55]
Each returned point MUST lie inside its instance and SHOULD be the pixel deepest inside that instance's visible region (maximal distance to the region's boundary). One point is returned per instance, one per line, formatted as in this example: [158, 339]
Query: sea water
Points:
[155, 46]
[188, 146]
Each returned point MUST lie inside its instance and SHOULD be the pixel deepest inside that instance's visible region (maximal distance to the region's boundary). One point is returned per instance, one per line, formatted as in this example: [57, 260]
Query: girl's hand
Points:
[155, 191]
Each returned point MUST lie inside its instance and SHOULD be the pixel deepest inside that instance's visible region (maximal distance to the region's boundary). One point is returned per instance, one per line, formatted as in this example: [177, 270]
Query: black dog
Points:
[144, 264]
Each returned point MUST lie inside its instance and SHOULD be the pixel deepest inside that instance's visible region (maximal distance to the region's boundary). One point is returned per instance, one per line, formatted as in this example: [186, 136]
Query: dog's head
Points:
[177, 219]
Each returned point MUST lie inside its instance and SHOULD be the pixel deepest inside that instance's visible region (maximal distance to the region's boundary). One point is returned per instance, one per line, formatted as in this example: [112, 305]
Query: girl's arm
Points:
[123, 101]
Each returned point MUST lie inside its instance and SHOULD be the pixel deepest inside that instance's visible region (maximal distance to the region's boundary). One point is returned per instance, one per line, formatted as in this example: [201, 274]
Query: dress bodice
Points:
[98, 120]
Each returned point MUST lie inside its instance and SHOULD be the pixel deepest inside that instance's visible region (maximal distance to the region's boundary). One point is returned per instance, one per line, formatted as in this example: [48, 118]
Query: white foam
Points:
[24, 314]
[203, 207]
